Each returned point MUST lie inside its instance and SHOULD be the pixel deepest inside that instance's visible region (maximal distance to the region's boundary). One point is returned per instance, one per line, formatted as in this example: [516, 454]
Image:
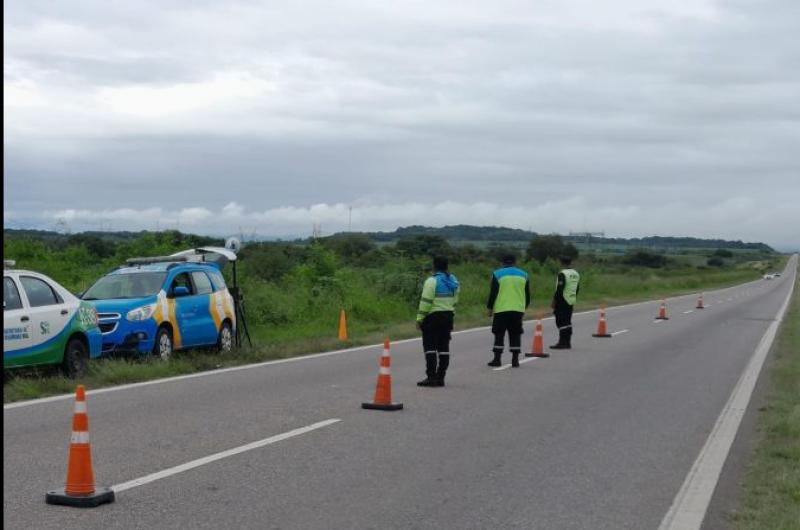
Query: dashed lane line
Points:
[620, 332]
[152, 477]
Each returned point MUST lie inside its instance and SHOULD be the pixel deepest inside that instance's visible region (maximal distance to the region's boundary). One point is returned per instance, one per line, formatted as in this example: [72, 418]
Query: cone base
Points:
[100, 496]
[662, 318]
[598, 335]
[698, 307]
[540, 355]
[378, 406]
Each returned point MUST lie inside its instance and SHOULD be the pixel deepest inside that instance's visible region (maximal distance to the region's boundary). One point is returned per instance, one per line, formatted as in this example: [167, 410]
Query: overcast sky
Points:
[633, 117]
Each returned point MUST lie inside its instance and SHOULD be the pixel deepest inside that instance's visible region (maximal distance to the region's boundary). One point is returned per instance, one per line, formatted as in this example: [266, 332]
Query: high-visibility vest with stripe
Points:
[511, 296]
[571, 279]
[439, 293]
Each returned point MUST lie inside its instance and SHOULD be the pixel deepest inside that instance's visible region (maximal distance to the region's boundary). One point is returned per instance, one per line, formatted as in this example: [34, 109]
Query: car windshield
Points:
[129, 285]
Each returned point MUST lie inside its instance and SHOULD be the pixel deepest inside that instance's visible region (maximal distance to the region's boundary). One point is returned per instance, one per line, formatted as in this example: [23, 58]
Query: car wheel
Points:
[163, 345]
[225, 340]
[75, 359]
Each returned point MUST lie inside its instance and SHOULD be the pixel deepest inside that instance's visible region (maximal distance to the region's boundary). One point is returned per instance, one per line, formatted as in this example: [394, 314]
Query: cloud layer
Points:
[643, 117]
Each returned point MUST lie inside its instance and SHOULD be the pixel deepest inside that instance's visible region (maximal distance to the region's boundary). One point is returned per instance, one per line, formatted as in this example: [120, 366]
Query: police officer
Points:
[509, 296]
[435, 319]
[567, 286]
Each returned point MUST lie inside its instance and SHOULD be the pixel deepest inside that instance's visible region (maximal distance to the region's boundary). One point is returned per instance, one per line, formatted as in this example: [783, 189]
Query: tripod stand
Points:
[238, 309]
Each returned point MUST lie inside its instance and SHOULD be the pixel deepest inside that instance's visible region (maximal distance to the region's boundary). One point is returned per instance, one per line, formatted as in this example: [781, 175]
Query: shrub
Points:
[543, 247]
[643, 258]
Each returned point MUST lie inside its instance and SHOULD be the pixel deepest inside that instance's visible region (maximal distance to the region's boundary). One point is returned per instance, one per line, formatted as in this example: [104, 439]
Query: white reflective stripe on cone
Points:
[384, 370]
[80, 407]
[79, 437]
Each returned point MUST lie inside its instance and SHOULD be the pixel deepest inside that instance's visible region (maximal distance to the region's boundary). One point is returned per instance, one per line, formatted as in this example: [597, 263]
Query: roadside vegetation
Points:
[294, 291]
[772, 482]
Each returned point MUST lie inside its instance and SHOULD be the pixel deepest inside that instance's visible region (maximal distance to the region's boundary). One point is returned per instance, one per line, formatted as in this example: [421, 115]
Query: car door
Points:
[16, 321]
[185, 309]
[206, 329]
[48, 317]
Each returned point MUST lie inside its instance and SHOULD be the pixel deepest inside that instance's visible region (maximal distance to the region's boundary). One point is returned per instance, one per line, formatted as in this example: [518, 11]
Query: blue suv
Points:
[162, 305]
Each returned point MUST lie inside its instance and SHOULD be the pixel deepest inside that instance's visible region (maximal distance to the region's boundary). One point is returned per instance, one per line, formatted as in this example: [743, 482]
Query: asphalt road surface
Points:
[598, 437]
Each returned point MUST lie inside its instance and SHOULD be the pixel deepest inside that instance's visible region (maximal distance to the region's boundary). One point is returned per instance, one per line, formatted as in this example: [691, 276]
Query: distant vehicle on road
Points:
[166, 303]
[43, 323]
[769, 276]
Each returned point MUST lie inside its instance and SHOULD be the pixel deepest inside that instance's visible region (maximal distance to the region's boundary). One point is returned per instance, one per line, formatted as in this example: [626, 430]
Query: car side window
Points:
[217, 280]
[39, 292]
[201, 282]
[11, 298]
[182, 280]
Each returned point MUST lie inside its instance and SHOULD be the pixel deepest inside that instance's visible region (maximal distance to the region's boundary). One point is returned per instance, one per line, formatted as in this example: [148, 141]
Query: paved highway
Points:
[601, 436]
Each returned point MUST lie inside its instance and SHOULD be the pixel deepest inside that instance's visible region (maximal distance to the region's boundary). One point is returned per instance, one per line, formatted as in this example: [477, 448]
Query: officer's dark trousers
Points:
[563, 314]
[507, 322]
[436, 330]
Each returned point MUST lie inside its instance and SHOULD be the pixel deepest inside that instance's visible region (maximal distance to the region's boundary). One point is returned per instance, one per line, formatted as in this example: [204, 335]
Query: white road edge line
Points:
[152, 477]
[689, 311]
[689, 507]
[620, 332]
[300, 358]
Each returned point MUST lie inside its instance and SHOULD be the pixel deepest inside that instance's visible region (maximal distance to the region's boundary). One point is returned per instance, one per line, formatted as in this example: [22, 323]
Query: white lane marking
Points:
[521, 361]
[208, 373]
[152, 477]
[658, 321]
[689, 311]
[620, 332]
[689, 507]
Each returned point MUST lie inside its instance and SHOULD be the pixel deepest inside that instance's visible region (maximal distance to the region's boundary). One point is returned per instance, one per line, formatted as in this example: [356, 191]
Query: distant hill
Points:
[459, 233]
[456, 232]
[503, 234]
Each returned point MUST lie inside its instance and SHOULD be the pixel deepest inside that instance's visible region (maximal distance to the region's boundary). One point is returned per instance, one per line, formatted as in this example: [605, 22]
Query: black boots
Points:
[430, 370]
[444, 362]
[564, 340]
[514, 359]
[496, 361]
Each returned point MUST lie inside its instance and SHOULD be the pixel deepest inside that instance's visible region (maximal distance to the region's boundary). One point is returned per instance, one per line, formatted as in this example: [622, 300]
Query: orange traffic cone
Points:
[662, 313]
[537, 348]
[80, 490]
[342, 326]
[601, 324]
[383, 390]
[700, 302]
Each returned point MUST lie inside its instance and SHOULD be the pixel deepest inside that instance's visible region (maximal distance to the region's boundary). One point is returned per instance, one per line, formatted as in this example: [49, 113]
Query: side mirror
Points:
[179, 291]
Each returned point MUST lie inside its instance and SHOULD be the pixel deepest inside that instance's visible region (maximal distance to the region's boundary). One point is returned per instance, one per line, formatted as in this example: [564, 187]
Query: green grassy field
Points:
[293, 296]
[772, 484]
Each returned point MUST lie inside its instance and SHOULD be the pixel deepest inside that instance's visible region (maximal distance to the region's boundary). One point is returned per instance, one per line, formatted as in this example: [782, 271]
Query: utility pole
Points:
[350, 220]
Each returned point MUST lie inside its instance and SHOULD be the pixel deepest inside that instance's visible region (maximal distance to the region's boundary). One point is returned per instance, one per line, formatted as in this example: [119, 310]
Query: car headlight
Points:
[141, 313]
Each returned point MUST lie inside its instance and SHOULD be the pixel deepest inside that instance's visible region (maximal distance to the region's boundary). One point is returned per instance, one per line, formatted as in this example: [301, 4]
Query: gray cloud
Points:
[670, 107]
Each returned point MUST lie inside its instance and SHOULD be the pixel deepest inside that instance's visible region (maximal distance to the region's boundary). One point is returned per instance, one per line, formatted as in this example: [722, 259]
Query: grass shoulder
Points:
[771, 489]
